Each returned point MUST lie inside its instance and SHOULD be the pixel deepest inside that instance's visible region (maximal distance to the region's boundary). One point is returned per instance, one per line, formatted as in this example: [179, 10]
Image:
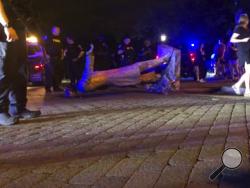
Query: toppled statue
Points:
[159, 75]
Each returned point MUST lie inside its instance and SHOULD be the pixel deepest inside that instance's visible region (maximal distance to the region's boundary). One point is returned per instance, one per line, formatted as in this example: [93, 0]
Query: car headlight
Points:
[32, 39]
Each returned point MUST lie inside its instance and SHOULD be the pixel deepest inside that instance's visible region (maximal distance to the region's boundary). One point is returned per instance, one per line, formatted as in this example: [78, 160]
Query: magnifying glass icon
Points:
[231, 159]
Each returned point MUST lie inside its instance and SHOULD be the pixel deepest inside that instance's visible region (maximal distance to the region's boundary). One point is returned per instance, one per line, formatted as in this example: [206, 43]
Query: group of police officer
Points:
[127, 53]
[65, 59]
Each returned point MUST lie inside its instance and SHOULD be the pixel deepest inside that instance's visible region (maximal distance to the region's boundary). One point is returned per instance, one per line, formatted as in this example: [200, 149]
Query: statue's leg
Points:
[150, 77]
[151, 64]
[169, 79]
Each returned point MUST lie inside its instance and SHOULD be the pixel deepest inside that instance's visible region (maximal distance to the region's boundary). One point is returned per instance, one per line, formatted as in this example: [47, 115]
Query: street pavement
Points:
[126, 138]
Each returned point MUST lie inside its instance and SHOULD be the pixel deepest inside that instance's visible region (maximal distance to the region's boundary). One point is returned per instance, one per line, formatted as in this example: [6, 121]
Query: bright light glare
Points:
[32, 39]
[163, 38]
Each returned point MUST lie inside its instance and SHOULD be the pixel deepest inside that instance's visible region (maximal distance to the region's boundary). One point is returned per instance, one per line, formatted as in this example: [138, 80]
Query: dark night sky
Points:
[90, 16]
[117, 17]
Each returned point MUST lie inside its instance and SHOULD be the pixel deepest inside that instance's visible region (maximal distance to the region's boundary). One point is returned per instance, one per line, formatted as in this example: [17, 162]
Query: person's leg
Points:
[58, 75]
[5, 118]
[18, 91]
[4, 82]
[217, 67]
[247, 79]
[242, 62]
[224, 71]
[241, 81]
[61, 74]
[12, 67]
[231, 69]
[204, 71]
[48, 76]
[244, 78]
[55, 76]
[72, 75]
[18, 84]
[197, 73]
[237, 69]
[221, 68]
[201, 70]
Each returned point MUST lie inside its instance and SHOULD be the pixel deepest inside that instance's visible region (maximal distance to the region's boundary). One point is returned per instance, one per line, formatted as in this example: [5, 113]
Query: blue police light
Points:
[45, 37]
[213, 56]
[193, 45]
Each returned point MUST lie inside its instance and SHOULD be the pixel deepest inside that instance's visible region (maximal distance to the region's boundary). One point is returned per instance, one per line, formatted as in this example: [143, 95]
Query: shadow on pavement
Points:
[236, 179]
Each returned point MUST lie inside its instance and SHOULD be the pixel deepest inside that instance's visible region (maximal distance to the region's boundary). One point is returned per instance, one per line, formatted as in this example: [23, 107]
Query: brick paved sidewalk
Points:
[126, 139]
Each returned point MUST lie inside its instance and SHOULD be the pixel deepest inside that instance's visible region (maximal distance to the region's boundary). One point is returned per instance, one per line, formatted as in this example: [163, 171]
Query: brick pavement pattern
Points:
[126, 139]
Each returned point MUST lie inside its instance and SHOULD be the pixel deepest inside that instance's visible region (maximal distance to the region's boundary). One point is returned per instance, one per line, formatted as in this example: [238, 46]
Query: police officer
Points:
[103, 57]
[54, 68]
[13, 84]
[74, 60]
[126, 53]
[147, 52]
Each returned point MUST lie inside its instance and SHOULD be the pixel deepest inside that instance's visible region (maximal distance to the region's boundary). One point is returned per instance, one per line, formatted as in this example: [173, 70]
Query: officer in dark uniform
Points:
[126, 53]
[13, 84]
[103, 58]
[74, 59]
[54, 69]
[147, 52]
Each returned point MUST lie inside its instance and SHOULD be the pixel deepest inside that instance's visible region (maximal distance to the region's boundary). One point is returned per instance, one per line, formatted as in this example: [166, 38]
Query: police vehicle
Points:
[36, 61]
